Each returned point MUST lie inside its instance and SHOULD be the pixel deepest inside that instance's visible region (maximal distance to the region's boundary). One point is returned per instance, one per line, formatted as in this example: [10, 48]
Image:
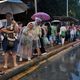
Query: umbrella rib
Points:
[2, 6]
[13, 7]
[21, 6]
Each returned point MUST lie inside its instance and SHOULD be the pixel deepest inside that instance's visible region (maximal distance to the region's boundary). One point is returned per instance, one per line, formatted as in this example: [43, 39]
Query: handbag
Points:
[10, 43]
[11, 37]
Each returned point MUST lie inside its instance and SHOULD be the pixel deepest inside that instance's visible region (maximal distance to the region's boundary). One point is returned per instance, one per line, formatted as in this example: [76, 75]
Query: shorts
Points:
[7, 48]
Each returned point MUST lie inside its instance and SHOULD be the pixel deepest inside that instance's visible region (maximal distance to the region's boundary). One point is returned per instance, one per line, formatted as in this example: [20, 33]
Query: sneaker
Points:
[20, 59]
[5, 66]
[29, 58]
[44, 53]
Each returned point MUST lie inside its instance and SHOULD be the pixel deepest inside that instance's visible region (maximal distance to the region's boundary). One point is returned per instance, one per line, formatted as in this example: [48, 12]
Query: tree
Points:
[53, 7]
[58, 7]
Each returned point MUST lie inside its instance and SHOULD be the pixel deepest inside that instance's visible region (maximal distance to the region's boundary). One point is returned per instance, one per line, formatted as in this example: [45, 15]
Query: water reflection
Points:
[66, 67]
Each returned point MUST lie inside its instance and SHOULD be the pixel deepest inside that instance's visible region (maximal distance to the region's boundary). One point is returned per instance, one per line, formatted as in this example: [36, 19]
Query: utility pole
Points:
[67, 8]
[35, 3]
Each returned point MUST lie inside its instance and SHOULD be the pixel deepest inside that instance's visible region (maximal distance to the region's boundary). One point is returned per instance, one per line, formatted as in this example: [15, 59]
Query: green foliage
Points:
[52, 7]
[58, 7]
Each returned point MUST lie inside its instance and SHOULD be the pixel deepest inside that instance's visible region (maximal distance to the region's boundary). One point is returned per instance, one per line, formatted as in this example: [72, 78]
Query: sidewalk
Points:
[22, 62]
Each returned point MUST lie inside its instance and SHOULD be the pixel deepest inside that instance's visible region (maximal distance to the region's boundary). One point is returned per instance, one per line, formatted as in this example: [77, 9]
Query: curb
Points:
[35, 61]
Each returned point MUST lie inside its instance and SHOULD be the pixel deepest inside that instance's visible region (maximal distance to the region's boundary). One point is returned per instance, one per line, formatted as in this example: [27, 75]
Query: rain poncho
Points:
[26, 40]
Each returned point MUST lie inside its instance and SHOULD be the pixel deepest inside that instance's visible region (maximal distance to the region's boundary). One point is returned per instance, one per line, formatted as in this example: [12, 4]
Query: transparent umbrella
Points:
[13, 6]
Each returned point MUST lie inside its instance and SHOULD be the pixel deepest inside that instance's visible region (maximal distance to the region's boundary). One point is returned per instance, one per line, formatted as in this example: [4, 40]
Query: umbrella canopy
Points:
[56, 21]
[1, 1]
[64, 18]
[41, 15]
[13, 6]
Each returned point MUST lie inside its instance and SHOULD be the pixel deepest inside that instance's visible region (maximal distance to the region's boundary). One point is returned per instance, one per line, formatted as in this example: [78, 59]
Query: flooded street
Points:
[66, 67]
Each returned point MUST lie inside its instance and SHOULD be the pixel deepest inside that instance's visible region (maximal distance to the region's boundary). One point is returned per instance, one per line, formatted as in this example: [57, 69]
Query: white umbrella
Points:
[56, 21]
[1, 1]
[13, 6]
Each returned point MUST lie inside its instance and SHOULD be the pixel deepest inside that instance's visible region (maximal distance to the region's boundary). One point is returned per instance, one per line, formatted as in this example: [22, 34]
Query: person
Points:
[45, 38]
[10, 39]
[67, 37]
[73, 33]
[27, 41]
[63, 34]
[37, 35]
[53, 33]
[43, 32]
[58, 40]
[49, 33]
[78, 33]
[20, 36]
[1, 37]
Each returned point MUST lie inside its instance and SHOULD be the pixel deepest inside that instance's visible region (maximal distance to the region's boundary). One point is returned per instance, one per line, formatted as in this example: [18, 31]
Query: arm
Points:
[16, 27]
[25, 30]
[5, 30]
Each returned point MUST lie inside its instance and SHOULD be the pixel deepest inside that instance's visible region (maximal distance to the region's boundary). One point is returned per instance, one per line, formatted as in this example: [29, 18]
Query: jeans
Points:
[72, 36]
[58, 40]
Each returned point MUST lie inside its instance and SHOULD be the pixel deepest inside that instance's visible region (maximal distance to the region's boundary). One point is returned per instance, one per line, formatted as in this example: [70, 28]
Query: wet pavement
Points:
[66, 67]
[63, 68]
[10, 65]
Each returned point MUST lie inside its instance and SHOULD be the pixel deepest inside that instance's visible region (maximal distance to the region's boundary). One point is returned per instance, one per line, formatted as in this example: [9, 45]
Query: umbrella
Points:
[41, 15]
[56, 21]
[13, 6]
[1, 1]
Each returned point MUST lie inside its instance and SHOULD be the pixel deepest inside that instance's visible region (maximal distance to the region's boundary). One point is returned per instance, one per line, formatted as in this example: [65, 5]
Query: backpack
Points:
[63, 33]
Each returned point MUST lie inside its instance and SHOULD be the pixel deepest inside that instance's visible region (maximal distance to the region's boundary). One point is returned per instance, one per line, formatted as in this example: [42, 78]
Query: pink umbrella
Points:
[41, 15]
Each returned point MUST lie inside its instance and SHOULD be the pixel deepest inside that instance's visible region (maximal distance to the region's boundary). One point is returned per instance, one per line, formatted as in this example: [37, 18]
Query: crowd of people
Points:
[26, 41]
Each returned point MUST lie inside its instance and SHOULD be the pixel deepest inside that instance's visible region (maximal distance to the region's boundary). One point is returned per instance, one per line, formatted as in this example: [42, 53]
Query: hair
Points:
[19, 22]
[30, 23]
[8, 13]
[47, 24]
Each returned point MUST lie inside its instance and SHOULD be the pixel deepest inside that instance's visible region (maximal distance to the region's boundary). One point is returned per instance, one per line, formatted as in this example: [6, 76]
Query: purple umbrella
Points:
[41, 15]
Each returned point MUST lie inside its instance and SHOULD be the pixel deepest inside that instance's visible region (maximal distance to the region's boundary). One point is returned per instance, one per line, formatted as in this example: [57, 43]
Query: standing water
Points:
[66, 67]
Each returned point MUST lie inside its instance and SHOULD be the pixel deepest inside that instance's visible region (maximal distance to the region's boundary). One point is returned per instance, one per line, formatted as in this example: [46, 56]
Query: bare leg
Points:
[29, 54]
[25, 52]
[51, 44]
[6, 60]
[14, 59]
[38, 51]
[63, 39]
[21, 53]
